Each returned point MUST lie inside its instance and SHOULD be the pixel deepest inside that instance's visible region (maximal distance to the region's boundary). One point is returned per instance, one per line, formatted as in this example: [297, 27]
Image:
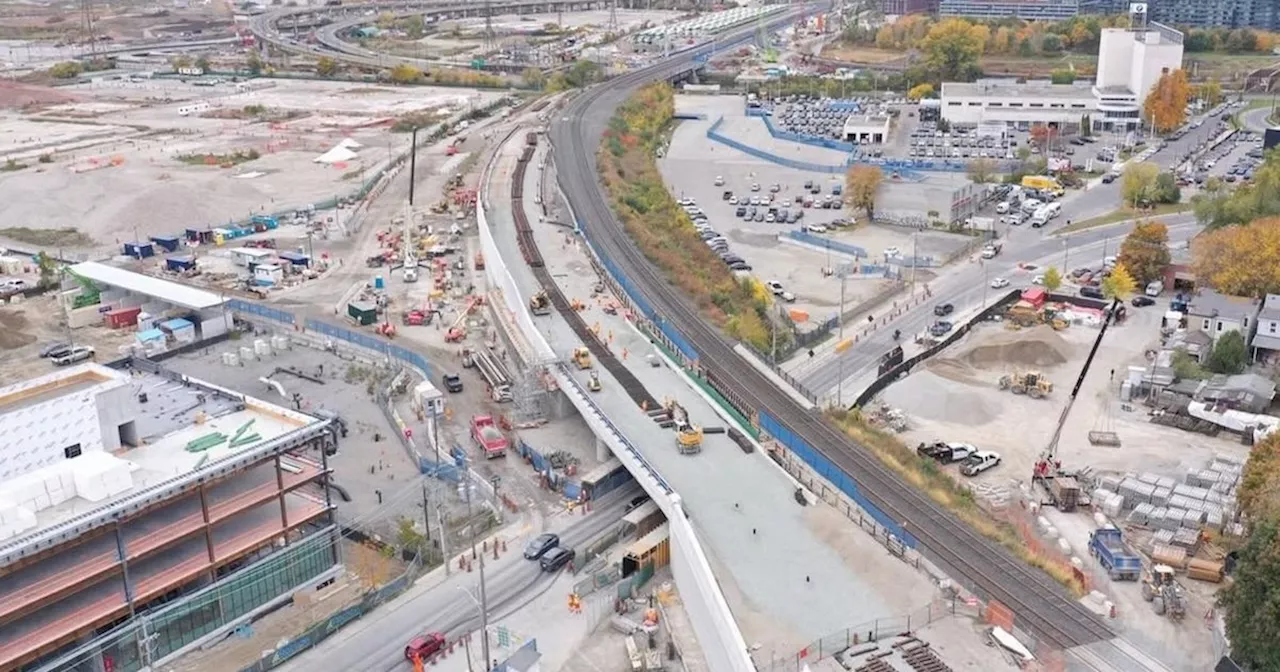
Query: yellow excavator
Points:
[688, 435]
[582, 357]
[540, 304]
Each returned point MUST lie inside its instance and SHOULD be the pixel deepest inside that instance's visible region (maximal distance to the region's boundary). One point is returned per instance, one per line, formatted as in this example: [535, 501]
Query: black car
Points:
[1091, 292]
[1143, 301]
[453, 382]
[636, 502]
[726, 195]
[741, 211]
[943, 310]
[555, 558]
[540, 545]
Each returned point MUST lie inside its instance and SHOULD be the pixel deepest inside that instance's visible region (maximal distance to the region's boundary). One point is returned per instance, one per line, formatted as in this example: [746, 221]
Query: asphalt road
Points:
[966, 287]
[376, 643]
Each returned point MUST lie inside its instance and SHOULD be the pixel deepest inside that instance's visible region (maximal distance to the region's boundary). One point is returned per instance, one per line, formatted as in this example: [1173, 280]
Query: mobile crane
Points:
[1061, 486]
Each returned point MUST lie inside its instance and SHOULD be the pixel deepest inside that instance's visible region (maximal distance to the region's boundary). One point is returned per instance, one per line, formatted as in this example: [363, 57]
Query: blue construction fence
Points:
[714, 134]
[641, 303]
[569, 487]
[827, 243]
[828, 470]
[366, 341]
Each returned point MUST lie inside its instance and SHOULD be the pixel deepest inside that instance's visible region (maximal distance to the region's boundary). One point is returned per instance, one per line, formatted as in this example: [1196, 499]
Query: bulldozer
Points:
[582, 357]
[1163, 592]
[539, 304]
[1030, 383]
[593, 383]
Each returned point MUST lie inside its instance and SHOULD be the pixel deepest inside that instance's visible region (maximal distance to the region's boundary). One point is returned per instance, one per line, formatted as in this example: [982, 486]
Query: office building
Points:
[1130, 63]
[1030, 10]
[141, 510]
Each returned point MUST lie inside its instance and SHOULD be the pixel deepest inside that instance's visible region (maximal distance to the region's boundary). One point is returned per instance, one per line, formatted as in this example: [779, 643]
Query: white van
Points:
[1054, 209]
[1031, 205]
[1155, 287]
[1040, 218]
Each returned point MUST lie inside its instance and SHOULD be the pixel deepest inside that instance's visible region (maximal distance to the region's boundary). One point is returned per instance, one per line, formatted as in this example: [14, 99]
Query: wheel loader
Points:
[1163, 592]
[540, 304]
[1030, 383]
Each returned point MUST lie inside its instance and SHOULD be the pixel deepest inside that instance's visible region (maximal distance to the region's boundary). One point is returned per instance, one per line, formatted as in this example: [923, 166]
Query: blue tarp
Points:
[177, 324]
[151, 335]
[295, 258]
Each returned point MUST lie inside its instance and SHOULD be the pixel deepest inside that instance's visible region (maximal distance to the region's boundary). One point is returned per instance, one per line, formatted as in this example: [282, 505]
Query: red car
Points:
[425, 646]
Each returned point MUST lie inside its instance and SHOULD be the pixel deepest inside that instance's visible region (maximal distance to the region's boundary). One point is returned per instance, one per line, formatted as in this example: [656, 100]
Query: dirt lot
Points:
[27, 327]
[955, 397]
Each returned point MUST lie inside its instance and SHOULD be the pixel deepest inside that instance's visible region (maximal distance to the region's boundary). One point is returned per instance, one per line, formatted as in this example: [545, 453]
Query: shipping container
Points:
[295, 258]
[124, 317]
[139, 250]
[363, 312]
[167, 243]
[178, 264]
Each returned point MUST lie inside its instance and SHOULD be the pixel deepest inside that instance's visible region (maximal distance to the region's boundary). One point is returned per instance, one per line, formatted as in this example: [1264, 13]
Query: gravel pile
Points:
[928, 396]
[1039, 346]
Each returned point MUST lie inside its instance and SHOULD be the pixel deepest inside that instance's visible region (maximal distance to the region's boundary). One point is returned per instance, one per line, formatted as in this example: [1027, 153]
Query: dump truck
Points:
[1107, 545]
[539, 304]
[488, 437]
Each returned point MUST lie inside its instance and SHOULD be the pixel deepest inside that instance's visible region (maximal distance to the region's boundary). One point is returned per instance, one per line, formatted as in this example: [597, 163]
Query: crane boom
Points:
[1046, 460]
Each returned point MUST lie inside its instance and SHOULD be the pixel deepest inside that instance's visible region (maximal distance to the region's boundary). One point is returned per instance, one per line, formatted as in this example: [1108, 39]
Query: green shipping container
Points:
[363, 312]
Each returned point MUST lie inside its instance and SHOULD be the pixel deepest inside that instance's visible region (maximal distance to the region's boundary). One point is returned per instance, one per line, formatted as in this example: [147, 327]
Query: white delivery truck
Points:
[1040, 218]
[1155, 287]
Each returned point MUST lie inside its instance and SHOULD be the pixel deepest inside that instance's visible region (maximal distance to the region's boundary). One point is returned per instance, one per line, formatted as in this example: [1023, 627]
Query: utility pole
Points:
[413, 163]
[839, 358]
[915, 238]
[484, 602]
[444, 538]
[426, 510]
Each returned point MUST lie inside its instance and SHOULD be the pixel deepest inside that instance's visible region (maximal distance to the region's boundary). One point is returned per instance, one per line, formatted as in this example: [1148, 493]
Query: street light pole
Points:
[484, 603]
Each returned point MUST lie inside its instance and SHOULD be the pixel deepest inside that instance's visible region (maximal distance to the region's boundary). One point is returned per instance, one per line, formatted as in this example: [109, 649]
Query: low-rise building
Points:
[866, 129]
[1266, 340]
[1030, 10]
[1018, 104]
[1215, 314]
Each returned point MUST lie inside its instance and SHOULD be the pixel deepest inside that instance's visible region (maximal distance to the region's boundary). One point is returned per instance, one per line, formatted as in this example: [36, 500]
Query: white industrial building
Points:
[866, 129]
[1130, 62]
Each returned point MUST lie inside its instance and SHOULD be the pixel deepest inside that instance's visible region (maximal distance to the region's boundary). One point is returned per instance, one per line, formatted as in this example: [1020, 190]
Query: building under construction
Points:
[143, 510]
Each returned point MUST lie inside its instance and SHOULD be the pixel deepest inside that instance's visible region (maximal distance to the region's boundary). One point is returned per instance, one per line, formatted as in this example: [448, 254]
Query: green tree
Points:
[326, 66]
[582, 73]
[1250, 601]
[1145, 251]
[1086, 126]
[921, 91]
[1230, 354]
[1052, 278]
[414, 27]
[404, 73]
[1166, 189]
[1119, 285]
[1063, 76]
[982, 171]
[254, 63]
[48, 268]
[65, 70]
[862, 182]
[952, 49]
[1138, 182]
[534, 78]
[202, 62]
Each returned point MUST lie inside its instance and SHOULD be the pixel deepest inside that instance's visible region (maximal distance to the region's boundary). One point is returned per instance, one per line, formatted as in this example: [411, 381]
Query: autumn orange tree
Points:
[1166, 105]
[1145, 251]
[862, 182]
[1241, 260]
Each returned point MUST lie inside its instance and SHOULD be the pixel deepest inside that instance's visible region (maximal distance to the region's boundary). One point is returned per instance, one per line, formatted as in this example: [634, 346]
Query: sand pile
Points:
[929, 396]
[1039, 346]
[12, 335]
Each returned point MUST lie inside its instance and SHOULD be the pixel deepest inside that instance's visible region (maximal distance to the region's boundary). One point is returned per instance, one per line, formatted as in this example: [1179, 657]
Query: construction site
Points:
[138, 157]
[1113, 496]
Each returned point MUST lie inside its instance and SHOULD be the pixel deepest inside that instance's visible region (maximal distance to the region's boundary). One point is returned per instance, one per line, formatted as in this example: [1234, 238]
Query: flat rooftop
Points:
[172, 417]
[1016, 90]
[62, 382]
[165, 290]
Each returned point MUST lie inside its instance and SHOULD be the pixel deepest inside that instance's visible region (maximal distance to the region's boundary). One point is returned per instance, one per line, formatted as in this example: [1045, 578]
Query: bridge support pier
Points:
[602, 451]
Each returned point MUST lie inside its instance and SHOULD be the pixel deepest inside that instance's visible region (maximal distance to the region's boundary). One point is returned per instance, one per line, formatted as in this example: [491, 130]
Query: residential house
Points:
[1266, 342]
[1215, 314]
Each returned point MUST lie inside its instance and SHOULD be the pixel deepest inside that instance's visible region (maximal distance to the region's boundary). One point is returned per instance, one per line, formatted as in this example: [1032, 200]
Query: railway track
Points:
[1040, 605]
[532, 256]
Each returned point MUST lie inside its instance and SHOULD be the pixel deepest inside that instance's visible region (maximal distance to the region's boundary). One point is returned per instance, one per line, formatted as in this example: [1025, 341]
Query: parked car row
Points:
[718, 243]
[973, 461]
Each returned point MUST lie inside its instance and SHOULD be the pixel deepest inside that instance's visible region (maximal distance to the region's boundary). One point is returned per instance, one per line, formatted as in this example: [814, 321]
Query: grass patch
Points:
[222, 160]
[925, 475]
[1126, 213]
[662, 230]
[68, 237]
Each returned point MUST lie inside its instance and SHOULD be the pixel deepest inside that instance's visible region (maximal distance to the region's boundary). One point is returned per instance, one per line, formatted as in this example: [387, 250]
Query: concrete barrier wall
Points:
[717, 632]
